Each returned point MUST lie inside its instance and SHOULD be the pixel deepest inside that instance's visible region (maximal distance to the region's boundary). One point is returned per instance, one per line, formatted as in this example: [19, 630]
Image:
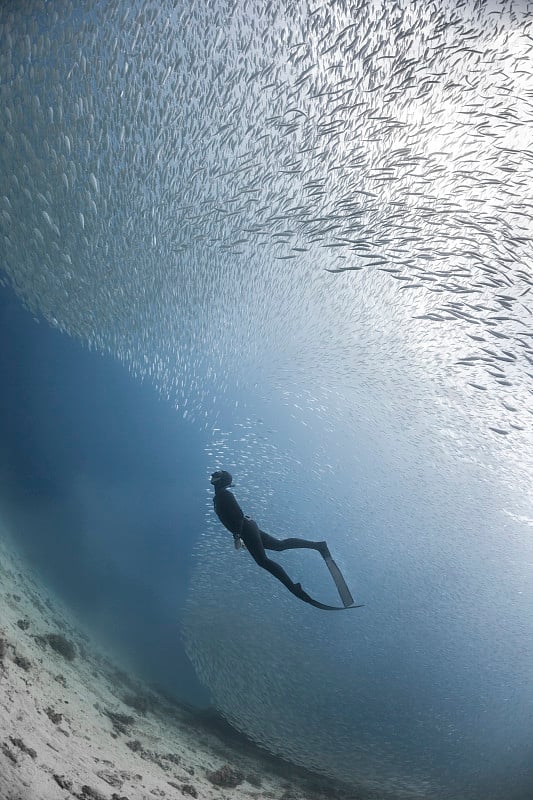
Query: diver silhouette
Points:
[246, 531]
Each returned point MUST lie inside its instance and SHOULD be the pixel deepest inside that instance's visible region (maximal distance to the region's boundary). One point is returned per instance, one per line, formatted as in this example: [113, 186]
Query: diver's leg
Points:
[270, 543]
[252, 538]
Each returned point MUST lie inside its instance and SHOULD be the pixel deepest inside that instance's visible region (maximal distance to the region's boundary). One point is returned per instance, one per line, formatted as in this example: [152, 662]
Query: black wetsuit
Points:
[257, 541]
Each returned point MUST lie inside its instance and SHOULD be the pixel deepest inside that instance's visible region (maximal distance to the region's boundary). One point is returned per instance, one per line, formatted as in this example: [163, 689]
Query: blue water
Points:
[291, 240]
[106, 489]
[98, 480]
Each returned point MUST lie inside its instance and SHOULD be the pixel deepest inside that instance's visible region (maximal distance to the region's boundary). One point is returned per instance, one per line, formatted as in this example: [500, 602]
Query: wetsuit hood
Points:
[221, 479]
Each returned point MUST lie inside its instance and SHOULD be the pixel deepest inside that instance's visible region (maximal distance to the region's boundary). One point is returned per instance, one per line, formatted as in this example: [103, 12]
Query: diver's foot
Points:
[323, 549]
[301, 593]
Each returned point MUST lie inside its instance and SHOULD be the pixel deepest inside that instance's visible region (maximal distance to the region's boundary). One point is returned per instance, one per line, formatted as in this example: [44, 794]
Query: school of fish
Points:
[163, 164]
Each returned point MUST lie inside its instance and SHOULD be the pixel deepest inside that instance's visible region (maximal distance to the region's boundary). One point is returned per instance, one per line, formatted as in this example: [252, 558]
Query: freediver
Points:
[246, 531]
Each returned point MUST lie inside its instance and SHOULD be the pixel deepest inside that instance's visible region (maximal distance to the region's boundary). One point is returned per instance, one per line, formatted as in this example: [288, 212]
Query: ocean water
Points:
[291, 240]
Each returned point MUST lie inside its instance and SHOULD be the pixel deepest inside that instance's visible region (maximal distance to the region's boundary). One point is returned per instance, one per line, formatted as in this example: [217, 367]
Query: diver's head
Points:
[221, 479]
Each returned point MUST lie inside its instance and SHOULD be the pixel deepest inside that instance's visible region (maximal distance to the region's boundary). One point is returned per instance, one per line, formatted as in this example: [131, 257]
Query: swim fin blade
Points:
[312, 602]
[340, 583]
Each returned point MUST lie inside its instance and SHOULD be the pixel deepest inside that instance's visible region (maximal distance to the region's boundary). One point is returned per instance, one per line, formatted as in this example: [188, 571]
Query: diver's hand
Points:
[238, 543]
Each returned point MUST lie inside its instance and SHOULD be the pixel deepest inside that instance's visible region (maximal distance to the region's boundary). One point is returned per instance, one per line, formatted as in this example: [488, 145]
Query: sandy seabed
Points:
[75, 725]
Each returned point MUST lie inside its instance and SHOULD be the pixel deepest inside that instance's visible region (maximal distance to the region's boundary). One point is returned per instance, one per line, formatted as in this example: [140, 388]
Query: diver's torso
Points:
[228, 511]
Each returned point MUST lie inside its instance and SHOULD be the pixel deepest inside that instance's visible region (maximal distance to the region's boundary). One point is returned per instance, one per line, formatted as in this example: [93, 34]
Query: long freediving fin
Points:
[299, 592]
[340, 583]
[316, 604]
